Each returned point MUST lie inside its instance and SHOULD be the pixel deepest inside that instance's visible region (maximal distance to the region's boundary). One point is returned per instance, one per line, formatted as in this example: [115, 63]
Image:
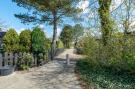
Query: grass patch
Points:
[104, 78]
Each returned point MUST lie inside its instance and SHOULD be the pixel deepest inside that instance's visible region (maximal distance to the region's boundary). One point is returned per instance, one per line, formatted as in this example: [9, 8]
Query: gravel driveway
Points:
[54, 75]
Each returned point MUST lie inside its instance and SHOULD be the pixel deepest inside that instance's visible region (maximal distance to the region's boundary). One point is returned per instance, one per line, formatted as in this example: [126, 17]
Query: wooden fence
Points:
[13, 58]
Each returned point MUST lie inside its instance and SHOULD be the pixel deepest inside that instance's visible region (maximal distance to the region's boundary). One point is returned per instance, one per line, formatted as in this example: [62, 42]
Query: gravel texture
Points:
[54, 75]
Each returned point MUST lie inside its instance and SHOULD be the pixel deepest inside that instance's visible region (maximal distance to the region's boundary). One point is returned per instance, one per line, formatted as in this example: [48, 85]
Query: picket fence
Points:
[13, 58]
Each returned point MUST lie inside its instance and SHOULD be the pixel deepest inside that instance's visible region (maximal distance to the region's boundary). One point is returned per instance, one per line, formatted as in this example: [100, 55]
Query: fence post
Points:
[6, 56]
[11, 56]
[32, 59]
[67, 59]
[35, 59]
[16, 58]
[1, 60]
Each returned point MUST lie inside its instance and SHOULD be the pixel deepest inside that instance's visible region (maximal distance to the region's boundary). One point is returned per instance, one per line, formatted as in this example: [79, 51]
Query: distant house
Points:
[2, 33]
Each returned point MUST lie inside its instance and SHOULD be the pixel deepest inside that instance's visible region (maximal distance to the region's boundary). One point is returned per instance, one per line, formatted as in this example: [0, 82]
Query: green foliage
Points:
[11, 41]
[59, 44]
[25, 62]
[41, 56]
[105, 20]
[111, 66]
[25, 41]
[47, 11]
[104, 78]
[88, 44]
[117, 54]
[38, 40]
[77, 33]
[130, 59]
[47, 44]
[66, 36]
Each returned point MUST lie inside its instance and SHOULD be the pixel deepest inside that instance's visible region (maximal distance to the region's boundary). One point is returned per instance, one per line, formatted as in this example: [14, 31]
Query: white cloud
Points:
[84, 4]
[132, 23]
[41, 26]
[58, 31]
[115, 4]
[20, 30]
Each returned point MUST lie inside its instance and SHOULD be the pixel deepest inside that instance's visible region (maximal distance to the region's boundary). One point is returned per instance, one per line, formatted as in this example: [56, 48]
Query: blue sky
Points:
[8, 9]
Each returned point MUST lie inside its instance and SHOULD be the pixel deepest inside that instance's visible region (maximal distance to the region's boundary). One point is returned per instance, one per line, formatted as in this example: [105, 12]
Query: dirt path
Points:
[54, 75]
[71, 52]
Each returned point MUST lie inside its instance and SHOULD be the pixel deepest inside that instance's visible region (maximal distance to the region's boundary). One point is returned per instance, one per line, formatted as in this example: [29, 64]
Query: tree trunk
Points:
[75, 44]
[106, 24]
[53, 45]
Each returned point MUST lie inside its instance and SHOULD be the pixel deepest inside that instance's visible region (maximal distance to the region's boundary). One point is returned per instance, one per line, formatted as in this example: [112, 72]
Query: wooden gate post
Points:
[6, 56]
[16, 58]
[1, 60]
[11, 57]
[67, 59]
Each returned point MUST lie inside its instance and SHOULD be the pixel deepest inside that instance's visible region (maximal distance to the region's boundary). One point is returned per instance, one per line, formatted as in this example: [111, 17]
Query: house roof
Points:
[2, 33]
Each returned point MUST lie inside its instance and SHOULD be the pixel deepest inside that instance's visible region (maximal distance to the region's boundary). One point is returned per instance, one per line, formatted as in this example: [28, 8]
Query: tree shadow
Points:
[55, 77]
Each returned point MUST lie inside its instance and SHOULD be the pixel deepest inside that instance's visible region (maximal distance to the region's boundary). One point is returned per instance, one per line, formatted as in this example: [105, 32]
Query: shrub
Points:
[25, 41]
[25, 61]
[40, 58]
[38, 40]
[11, 41]
[130, 59]
[59, 44]
[66, 36]
[118, 55]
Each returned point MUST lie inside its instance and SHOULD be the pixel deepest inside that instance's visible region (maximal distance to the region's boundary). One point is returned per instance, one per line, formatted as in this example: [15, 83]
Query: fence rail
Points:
[12, 59]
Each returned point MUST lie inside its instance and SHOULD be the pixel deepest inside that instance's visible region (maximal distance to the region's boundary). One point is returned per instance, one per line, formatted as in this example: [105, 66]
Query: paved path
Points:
[54, 75]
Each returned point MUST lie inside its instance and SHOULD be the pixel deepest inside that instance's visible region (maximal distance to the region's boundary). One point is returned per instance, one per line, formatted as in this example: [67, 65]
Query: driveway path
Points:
[54, 75]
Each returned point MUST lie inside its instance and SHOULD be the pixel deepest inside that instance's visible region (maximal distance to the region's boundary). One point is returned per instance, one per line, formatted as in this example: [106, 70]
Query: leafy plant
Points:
[104, 78]
[130, 59]
[25, 61]
[66, 36]
[48, 11]
[38, 40]
[11, 41]
[25, 41]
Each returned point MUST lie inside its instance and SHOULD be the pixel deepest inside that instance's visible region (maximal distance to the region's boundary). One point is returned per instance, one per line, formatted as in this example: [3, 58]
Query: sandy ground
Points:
[54, 75]
[71, 52]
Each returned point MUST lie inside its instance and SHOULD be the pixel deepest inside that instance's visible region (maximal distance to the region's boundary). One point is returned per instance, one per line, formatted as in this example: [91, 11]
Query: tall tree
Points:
[105, 20]
[25, 41]
[11, 41]
[38, 41]
[66, 36]
[51, 11]
[77, 32]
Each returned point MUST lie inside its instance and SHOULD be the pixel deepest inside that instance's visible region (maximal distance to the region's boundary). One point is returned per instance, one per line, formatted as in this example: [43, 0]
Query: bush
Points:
[40, 58]
[118, 54]
[79, 50]
[38, 40]
[25, 61]
[25, 41]
[130, 59]
[59, 44]
[88, 45]
[11, 41]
